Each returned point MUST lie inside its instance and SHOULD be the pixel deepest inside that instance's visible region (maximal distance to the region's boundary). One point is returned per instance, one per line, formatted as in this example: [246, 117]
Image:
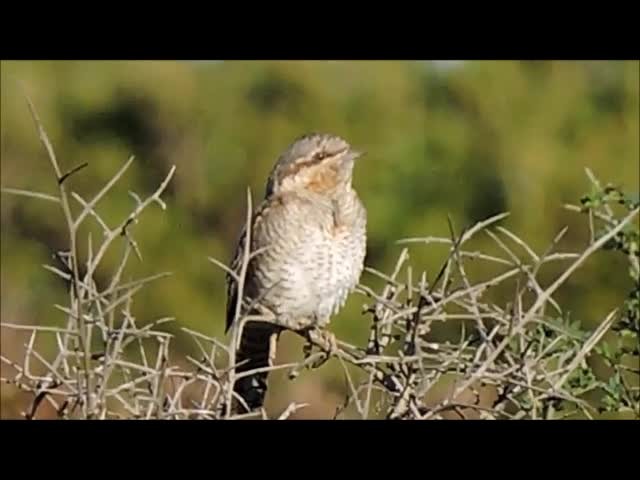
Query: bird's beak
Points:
[355, 154]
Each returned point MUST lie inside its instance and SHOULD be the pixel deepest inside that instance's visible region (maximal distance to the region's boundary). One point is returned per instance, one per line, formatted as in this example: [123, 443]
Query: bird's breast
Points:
[314, 260]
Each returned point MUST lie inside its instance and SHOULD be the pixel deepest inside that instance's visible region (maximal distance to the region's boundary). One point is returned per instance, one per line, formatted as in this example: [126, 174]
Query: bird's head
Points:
[318, 162]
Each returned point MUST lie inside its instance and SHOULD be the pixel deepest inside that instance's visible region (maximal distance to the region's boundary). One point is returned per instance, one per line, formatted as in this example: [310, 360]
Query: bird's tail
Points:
[257, 349]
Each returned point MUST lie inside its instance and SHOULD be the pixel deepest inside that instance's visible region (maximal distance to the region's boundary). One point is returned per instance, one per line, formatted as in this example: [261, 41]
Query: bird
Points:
[309, 236]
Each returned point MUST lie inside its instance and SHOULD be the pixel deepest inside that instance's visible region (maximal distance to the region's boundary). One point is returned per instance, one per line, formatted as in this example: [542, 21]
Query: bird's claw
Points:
[326, 340]
[330, 339]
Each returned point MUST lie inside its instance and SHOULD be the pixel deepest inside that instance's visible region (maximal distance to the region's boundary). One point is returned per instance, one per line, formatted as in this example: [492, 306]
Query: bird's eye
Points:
[320, 155]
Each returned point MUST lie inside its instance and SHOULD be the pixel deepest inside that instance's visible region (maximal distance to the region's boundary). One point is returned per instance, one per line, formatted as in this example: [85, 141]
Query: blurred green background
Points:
[469, 139]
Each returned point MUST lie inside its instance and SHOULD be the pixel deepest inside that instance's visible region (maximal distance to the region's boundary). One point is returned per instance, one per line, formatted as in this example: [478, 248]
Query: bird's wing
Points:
[232, 285]
[236, 265]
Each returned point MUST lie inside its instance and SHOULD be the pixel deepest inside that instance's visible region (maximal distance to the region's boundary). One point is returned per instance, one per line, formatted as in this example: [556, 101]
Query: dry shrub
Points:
[520, 359]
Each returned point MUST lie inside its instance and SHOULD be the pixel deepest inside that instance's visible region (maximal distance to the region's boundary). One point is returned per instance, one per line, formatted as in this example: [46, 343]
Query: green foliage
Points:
[622, 354]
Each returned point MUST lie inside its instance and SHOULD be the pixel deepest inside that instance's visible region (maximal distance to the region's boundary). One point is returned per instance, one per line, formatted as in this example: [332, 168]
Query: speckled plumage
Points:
[313, 228]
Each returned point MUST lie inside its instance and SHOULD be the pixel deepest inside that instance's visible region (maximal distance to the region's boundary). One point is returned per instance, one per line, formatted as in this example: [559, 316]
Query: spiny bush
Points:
[522, 358]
